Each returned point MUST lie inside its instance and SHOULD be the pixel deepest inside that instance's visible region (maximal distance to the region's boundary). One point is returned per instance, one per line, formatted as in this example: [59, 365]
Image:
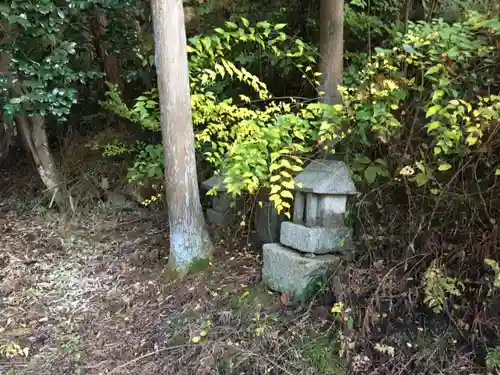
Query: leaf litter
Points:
[89, 295]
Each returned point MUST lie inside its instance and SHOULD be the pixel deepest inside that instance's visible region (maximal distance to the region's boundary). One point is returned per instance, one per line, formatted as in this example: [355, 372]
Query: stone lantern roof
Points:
[214, 181]
[325, 177]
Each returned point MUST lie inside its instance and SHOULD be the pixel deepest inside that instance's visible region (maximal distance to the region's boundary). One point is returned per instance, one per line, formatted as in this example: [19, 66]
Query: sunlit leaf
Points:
[444, 167]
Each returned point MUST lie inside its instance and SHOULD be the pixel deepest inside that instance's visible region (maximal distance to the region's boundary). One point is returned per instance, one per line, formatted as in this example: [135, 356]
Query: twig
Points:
[147, 355]
[252, 354]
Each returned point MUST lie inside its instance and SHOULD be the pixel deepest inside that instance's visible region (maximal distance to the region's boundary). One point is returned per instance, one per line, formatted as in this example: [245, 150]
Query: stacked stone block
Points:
[267, 221]
[310, 246]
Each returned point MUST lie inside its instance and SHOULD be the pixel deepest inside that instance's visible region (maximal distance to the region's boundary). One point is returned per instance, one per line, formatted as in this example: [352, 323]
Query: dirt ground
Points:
[87, 294]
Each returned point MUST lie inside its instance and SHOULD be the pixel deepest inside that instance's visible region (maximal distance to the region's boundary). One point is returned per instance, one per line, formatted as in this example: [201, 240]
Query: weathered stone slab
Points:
[331, 210]
[311, 210]
[315, 240]
[221, 202]
[326, 177]
[288, 271]
[268, 223]
[299, 207]
[218, 218]
[214, 181]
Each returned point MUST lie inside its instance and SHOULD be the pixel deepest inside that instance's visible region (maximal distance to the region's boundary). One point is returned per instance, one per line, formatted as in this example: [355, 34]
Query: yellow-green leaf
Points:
[274, 189]
[275, 198]
[433, 69]
[444, 167]
[433, 126]
[286, 194]
[432, 110]
[273, 167]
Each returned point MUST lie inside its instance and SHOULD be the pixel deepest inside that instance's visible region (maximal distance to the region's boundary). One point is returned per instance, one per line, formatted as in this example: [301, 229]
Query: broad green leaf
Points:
[421, 179]
[432, 70]
[231, 25]
[371, 173]
[432, 110]
[433, 126]
[444, 167]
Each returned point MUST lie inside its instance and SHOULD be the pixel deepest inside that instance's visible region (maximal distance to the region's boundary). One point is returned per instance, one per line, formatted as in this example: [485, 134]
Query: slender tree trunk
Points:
[189, 239]
[110, 63]
[331, 49]
[7, 139]
[34, 137]
[7, 129]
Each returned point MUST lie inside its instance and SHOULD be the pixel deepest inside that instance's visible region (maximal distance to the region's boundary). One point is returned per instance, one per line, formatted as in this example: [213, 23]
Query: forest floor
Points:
[87, 294]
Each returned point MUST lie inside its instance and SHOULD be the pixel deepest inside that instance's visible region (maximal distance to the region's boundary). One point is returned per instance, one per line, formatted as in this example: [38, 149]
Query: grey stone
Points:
[221, 202]
[331, 210]
[326, 177]
[267, 223]
[320, 210]
[218, 218]
[214, 181]
[299, 207]
[311, 210]
[315, 240]
[288, 271]
[120, 202]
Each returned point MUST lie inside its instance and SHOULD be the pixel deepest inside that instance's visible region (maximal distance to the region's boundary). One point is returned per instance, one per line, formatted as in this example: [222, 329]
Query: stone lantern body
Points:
[311, 242]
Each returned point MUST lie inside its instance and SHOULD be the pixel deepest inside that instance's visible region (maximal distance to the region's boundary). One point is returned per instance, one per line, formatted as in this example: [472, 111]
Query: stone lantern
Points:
[319, 208]
[311, 243]
[221, 212]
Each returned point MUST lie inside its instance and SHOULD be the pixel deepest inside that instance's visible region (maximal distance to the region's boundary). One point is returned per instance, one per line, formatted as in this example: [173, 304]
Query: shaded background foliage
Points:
[413, 84]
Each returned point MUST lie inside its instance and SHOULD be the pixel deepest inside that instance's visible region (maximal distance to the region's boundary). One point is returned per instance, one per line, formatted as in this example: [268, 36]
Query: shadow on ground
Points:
[88, 294]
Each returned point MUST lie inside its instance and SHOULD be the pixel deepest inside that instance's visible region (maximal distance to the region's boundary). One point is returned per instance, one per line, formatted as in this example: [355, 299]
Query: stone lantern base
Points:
[291, 272]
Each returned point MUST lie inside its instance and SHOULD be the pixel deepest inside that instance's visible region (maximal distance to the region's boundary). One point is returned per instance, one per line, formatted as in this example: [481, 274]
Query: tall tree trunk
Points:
[34, 137]
[7, 128]
[331, 49]
[33, 132]
[110, 63]
[189, 238]
[7, 139]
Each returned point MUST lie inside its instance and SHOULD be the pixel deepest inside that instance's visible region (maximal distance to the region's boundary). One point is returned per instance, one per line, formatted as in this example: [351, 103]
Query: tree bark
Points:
[33, 131]
[110, 63]
[331, 49]
[7, 129]
[34, 137]
[189, 238]
[7, 139]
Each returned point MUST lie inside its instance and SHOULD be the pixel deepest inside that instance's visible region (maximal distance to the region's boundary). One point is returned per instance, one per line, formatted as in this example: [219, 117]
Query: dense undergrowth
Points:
[418, 127]
[420, 136]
